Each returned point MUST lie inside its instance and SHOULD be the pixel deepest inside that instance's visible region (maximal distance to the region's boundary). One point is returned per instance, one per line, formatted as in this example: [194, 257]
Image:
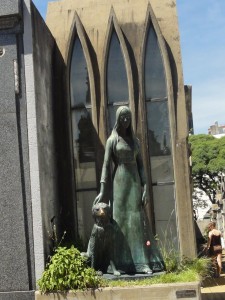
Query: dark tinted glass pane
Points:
[162, 168]
[158, 128]
[117, 86]
[85, 222]
[84, 137]
[155, 85]
[164, 198]
[112, 116]
[79, 80]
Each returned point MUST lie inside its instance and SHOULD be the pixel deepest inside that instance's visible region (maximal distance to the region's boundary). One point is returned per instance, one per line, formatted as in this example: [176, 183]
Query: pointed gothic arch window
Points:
[117, 85]
[79, 83]
[83, 136]
[155, 82]
[159, 131]
[156, 97]
[116, 78]
[156, 100]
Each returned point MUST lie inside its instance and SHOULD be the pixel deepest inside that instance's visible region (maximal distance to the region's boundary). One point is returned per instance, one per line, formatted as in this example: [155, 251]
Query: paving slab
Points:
[214, 288]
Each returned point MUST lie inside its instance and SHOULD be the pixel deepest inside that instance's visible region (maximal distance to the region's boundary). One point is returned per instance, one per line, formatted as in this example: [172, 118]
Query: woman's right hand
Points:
[100, 196]
[98, 199]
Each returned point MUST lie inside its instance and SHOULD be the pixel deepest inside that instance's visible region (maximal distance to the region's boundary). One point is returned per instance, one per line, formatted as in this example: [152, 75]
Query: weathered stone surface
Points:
[13, 274]
[153, 292]
[10, 7]
[16, 267]
[7, 100]
[17, 295]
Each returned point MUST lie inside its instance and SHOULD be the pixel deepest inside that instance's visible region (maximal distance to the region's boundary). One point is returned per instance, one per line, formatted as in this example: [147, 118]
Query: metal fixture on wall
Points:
[16, 76]
[2, 51]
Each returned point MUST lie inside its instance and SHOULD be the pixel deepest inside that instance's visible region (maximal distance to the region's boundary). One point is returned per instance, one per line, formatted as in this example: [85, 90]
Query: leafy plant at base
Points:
[68, 270]
[201, 265]
[183, 269]
[168, 249]
[178, 267]
[170, 256]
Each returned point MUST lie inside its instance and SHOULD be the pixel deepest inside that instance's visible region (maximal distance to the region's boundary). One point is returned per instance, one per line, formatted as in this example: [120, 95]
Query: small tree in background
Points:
[208, 163]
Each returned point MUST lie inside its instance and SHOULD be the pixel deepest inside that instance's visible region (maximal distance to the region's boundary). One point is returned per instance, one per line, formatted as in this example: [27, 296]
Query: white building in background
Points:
[202, 205]
[217, 130]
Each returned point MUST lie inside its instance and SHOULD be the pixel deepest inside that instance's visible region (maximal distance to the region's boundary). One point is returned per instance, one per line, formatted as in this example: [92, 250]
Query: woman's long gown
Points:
[130, 251]
[129, 244]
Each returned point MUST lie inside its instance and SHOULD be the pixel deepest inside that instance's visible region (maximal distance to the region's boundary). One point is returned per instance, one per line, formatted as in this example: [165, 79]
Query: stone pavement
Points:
[214, 288]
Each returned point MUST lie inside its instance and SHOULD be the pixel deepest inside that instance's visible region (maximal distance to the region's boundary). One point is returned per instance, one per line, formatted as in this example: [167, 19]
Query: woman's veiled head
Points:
[123, 119]
[122, 113]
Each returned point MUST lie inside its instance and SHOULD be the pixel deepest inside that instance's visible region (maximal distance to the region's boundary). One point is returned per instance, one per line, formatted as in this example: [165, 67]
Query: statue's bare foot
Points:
[116, 273]
[147, 270]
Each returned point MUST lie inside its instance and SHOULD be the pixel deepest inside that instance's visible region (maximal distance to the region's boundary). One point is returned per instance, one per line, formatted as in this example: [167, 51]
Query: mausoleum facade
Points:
[62, 83]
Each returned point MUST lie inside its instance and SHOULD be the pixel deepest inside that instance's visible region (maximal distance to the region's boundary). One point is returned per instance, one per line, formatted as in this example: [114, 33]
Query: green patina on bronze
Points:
[131, 252]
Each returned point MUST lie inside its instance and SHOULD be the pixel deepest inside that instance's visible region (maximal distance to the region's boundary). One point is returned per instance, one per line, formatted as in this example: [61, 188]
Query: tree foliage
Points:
[208, 162]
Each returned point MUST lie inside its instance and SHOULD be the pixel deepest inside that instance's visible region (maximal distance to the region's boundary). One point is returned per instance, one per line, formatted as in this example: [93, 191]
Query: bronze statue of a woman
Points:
[129, 195]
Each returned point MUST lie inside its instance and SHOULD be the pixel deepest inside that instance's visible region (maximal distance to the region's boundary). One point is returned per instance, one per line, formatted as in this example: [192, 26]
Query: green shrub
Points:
[200, 265]
[169, 252]
[171, 259]
[187, 271]
[68, 270]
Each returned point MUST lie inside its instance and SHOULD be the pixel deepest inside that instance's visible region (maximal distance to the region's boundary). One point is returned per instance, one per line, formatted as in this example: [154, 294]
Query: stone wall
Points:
[35, 177]
[52, 134]
[16, 251]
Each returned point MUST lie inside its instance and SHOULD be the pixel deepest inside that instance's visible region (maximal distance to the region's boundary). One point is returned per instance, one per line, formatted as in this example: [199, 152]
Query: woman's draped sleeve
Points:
[141, 170]
[107, 160]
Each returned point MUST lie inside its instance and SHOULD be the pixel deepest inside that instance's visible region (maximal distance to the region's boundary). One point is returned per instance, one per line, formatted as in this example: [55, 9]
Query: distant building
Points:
[216, 130]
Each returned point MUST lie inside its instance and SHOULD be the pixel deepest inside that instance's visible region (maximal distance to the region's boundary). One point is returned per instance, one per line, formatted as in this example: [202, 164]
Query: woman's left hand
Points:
[144, 198]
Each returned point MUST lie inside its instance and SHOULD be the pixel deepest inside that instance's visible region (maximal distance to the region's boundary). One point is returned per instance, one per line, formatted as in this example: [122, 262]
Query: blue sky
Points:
[202, 33]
